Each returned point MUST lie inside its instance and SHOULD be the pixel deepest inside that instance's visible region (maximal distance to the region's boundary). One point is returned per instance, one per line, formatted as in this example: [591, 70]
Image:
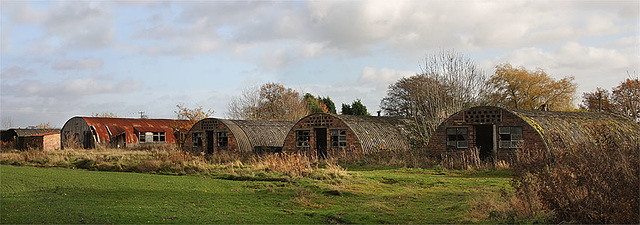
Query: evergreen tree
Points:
[356, 108]
[327, 102]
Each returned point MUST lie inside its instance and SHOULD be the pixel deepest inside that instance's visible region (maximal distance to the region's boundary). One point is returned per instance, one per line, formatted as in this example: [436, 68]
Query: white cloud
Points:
[71, 88]
[384, 76]
[82, 64]
[16, 72]
[571, 57]
[591, 66]
[63, 25]
[80, 24]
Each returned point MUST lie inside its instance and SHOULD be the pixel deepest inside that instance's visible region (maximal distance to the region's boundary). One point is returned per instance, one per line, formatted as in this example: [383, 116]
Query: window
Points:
[141, 137]
[338, 138]
[159, 137]
[510, 137]
[196, 139]
[223, 140]
[457, 137]
[150, 137]
[302, 138]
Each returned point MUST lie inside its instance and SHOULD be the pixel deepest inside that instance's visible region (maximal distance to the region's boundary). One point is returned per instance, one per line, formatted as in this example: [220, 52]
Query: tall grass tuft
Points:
[291, 164]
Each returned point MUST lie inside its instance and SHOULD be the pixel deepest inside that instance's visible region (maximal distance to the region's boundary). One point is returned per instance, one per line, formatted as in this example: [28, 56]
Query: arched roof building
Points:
[212, 135]
[88, 132]
[322, 134]
[498, 132]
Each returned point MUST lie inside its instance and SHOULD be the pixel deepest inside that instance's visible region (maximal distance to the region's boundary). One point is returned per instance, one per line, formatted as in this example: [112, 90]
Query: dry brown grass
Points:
[597, 183]
[291, 164]
[470, 160]
[413, 158]
[173, 161]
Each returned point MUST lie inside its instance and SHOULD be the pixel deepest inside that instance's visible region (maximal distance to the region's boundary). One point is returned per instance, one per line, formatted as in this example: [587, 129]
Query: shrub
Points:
[596, 183]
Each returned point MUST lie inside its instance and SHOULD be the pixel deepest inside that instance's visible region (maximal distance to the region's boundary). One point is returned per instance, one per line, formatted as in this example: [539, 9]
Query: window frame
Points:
[303, 138]
[152, 137]
[142, 137]
[511, 137]
[460, 138]
[338, 137]
[196, 139]
[222, 138]
[159, 137]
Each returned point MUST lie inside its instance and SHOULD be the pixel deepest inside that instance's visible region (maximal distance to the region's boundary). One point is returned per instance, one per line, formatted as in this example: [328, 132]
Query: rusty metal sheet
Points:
[129, 126]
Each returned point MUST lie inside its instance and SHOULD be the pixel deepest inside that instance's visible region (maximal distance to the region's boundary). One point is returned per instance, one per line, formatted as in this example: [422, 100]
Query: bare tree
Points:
[44, 126]
[271, 101]
[598, 101]
[626, 96]
[7, 122]
[192, 115]
[449, 82]
[105, 115]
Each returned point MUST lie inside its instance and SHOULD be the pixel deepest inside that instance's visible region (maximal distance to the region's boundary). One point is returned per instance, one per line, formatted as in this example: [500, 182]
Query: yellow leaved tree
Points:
[519, 88]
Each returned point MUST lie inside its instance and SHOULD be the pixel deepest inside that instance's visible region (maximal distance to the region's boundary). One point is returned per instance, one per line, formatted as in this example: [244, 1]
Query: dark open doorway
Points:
[88, 140]
[484, 141]
[210, 143]
[321, 142]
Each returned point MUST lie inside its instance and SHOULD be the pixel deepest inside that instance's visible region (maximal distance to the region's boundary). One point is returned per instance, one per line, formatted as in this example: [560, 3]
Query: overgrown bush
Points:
[594, 183]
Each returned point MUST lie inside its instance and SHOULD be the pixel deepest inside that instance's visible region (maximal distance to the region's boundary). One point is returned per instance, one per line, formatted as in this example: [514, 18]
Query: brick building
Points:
[16, 137]
[497, 133]
[213, 135]
[328, 134]
[89, 132]
[46, 141]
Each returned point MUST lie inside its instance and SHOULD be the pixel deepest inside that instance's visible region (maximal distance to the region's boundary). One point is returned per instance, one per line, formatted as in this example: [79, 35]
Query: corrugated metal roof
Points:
[265, 133]
[374, 132]
[564, 129]
[379, 132]
[106, 127]
[45, 134]
[29, 132]
[252, 133]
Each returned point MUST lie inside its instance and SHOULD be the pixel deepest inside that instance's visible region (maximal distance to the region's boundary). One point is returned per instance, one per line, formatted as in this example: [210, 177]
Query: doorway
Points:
[210, 139]
[88, 140]
[484, 141]
[321, 142]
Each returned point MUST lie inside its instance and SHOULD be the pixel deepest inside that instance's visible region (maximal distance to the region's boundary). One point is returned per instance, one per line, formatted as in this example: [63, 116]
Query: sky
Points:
[61, 59]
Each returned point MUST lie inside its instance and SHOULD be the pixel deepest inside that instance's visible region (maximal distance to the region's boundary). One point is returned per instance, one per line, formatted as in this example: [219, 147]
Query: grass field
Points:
[55, 195]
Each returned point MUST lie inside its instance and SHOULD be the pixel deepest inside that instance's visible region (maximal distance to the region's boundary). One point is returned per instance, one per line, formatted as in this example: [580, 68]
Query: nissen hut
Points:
[256, 136]
[89, 132]
[324, 135]
[497, 133]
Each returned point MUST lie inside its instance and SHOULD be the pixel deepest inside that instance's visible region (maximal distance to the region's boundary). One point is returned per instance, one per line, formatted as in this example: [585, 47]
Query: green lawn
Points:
[52, 195]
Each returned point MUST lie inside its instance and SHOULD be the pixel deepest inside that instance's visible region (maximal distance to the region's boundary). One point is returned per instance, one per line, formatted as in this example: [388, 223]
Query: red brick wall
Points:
[45, 142]
[438, 142]
[219, 126]
[323, 121]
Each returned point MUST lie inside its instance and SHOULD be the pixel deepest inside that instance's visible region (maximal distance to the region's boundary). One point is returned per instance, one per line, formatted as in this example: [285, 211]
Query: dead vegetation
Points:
[171, 161]
[598, 183]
